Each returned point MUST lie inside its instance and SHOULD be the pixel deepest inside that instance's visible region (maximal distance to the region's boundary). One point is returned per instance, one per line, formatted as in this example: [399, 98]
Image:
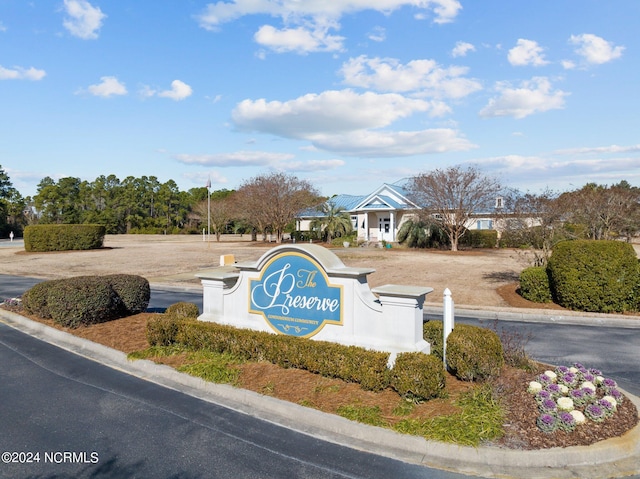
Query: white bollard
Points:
[447, 322]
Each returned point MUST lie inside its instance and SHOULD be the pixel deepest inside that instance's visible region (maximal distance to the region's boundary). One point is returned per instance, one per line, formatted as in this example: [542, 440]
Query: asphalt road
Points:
[63, 416]
[53, 401]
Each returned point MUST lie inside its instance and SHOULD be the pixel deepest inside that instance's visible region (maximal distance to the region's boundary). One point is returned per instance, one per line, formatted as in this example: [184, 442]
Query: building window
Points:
[499, 202]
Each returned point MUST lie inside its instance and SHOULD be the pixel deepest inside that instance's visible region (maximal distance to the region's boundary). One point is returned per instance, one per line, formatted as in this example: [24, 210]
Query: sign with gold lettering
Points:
[294, 295]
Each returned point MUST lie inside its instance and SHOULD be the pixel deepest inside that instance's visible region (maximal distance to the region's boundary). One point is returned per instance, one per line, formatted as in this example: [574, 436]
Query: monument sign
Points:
[306, 291]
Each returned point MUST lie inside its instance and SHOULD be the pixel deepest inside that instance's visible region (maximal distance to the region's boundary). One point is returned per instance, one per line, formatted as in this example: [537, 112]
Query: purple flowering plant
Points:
[566, 422]
[547, 423]
[576, 400]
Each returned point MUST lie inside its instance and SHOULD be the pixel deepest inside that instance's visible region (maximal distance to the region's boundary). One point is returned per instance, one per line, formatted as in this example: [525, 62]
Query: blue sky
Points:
[348, 94]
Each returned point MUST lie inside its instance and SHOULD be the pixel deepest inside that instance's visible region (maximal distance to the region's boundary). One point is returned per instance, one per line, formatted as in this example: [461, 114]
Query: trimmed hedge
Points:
[474, 353]
[433, 333]
[597, 276]
[183, 310]
[480, 238]
[41, 238]
[535, 286]
[84, 300]
[417, 375]
[133, 290]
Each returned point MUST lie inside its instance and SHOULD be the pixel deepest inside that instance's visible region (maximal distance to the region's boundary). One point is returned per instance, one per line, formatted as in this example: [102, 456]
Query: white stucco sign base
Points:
[305, 290]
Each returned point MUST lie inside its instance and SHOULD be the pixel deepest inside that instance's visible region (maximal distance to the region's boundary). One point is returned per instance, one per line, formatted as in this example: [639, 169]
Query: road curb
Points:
[617, 457]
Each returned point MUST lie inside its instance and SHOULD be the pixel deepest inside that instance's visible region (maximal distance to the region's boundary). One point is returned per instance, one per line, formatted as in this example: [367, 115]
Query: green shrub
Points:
[352, 239]
[133, 290]
[183, 310]
[35, 299]
[480, 238]
[474, 353]
[162, 330]
[534, 285]
[39, 238]
[596, 276]
[82, 300]
[87, 299]
[418, 376]
[349, 363]
[433, 333]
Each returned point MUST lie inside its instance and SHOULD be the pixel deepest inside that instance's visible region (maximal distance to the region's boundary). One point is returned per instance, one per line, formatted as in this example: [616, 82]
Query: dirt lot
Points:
[473, 277]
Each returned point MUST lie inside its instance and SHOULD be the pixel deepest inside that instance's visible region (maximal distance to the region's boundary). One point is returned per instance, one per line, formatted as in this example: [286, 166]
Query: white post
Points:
[204, 236]
[447, 322]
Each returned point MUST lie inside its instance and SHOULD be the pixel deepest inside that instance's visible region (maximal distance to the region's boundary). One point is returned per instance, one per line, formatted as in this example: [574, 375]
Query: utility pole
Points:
[209, 211]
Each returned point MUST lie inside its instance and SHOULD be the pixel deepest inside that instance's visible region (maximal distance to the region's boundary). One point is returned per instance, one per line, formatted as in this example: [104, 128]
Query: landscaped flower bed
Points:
[570, 397]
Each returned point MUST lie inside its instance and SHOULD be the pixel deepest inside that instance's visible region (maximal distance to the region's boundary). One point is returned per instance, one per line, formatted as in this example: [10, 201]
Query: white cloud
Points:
[238, 158]
[346, 122]
[527, 52]
[179, 91]
[20, 73]
[312, 165]
[461, 49]
[300, 40]
[542, 170]
[222, 12]
[611, 149]
[533, 96]
[109, 86]
[385, 144]
[423, 76]
[83, 20]
[594, 49]
[378, 34]
[568, 64]
[2, 27]
[334, 111]
[307, 22]
[200, 179]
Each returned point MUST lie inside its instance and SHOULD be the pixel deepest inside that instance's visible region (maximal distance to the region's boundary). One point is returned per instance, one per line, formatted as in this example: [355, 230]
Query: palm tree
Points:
[335, 221]
[421, 234]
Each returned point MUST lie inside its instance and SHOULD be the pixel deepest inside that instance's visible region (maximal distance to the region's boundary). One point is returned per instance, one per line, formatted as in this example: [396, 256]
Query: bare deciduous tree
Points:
[605, 212]
[221, 210]
[271, 201]
[453, 195]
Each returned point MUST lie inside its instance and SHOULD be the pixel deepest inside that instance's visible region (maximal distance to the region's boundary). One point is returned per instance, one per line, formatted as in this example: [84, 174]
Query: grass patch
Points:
[404, 407]
[365, 414]
[208, 365]
[480, 420]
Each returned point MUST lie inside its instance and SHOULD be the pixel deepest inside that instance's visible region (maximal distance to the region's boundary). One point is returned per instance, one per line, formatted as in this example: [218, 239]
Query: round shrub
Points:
[162, 330]
[474, 353]
[133, 290]
[433, 333]
[418, 376]
[34, 300]
[534, 285]
[597, 276]
[65, 237]
[183, 310]
[82, 300]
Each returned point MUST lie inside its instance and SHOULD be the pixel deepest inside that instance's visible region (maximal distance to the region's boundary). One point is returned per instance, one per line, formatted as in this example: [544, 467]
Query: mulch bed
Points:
[129, 334]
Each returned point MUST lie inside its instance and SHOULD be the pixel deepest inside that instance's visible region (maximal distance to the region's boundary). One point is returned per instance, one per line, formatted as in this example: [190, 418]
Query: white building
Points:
[376, 217]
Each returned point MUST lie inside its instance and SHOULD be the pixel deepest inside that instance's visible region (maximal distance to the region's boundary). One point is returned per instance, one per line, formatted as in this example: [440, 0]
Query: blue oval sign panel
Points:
[294, 295]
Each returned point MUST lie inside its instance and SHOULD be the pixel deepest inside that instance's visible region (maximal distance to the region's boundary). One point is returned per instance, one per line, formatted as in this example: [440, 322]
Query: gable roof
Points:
[387, 196]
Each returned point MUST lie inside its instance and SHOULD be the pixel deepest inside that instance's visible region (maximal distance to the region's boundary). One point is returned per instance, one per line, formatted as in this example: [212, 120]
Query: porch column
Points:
[392, 218]
[366, 226]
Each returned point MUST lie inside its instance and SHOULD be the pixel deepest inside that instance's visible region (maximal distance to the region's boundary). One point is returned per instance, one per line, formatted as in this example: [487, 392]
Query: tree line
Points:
[270, 203]
[265, 204]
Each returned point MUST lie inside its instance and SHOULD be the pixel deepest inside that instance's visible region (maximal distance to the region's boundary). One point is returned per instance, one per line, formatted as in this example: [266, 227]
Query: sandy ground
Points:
[472, 276]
